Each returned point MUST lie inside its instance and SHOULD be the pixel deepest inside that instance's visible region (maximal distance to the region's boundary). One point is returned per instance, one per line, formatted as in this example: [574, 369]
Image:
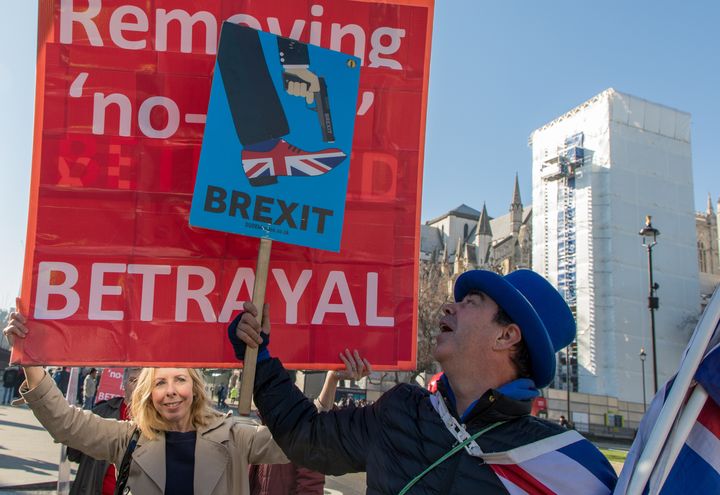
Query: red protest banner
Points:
[113, 272]
[110, 384]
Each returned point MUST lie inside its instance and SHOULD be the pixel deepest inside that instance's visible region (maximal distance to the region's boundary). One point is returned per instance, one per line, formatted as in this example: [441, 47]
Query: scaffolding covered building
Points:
[598, 170]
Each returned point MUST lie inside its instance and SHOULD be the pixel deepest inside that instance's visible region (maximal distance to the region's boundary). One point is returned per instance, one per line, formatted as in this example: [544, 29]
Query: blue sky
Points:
[499, 70]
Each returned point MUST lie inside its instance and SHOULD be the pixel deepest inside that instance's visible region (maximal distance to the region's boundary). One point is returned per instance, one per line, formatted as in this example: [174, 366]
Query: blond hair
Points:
[147, 418]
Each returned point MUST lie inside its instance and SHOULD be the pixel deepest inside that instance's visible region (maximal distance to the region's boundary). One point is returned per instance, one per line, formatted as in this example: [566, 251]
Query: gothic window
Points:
[702, 257]
[465, 231]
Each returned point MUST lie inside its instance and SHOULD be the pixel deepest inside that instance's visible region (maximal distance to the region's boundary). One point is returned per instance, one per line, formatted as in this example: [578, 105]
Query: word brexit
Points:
[262, 209]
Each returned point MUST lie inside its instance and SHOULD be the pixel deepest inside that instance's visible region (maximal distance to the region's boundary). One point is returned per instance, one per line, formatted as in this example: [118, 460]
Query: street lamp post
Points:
[569, 371]
[649, 236]
[643, 355]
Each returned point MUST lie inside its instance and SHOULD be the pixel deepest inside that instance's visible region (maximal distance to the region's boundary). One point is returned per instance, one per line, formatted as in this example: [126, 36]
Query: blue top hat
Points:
[544, 318]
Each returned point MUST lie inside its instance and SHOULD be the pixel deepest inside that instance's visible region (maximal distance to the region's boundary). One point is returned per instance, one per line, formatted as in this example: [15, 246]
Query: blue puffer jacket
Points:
[395, 438]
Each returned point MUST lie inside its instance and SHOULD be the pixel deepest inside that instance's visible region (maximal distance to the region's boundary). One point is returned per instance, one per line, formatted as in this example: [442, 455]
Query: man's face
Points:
[131, 382]
[467, 329]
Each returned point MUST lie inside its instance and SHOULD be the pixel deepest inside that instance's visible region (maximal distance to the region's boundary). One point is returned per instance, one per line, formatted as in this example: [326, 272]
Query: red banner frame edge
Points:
[45, 28]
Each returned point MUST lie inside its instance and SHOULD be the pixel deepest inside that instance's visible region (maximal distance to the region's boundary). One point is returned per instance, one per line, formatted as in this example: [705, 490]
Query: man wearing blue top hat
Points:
[497, 346]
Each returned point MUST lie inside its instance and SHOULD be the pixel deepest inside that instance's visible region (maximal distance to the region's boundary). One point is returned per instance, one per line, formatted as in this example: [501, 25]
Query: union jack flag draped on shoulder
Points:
[561, 464]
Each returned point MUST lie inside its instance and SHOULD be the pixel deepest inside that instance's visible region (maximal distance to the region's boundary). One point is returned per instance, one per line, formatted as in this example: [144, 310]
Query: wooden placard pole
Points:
[258, 299]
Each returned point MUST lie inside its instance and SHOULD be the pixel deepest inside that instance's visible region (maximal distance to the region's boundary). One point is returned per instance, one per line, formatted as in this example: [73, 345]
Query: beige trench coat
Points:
[223, 449]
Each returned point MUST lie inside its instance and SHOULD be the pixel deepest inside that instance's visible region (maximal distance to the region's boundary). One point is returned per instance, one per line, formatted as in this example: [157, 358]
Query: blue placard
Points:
[275, 157]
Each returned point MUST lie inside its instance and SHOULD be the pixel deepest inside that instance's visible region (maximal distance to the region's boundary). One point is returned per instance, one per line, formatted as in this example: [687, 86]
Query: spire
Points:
[709, 205]
[516, 194]
[483, 237]
[459, 262]
[444, 260]
[516, 208]
[484, 223]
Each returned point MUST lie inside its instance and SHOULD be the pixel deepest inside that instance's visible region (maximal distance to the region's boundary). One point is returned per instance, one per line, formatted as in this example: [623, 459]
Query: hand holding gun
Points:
[302, 82]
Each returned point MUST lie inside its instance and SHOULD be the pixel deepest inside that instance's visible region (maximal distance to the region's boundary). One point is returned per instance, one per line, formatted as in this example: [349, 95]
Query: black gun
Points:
[322, 105]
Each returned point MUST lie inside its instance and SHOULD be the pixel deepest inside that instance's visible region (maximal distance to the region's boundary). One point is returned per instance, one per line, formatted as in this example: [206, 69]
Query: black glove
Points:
[239, 346]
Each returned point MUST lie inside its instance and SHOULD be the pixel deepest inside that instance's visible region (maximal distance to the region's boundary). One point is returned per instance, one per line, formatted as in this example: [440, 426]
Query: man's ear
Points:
[507, 337]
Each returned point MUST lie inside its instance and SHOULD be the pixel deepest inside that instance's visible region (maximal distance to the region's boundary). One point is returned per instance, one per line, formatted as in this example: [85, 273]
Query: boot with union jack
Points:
[264, 162]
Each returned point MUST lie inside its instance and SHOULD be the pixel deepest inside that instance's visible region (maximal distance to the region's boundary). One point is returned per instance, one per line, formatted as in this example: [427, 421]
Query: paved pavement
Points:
[28, 456]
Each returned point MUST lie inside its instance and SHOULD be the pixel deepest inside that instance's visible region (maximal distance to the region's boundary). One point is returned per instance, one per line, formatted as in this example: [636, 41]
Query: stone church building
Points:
[464, 239]
[706, 226]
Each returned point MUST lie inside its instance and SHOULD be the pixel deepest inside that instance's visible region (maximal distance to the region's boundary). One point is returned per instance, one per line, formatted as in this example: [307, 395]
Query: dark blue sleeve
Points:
[239, 346]
[292, 52]
[333, 442]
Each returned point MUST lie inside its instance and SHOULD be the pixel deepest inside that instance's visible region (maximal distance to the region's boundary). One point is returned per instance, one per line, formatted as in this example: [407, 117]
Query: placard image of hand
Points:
[270, 113]
[257, 111]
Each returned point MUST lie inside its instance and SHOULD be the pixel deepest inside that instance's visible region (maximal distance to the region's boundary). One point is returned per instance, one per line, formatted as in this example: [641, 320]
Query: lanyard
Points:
[463, 444]
[455, 428]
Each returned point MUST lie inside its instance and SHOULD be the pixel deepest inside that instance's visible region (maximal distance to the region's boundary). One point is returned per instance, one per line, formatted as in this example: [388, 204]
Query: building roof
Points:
[462, 211]
[430, 239]
[607, 94]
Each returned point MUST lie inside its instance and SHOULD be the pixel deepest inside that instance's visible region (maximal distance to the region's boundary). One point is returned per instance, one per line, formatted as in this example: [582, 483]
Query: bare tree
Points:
[434, 291]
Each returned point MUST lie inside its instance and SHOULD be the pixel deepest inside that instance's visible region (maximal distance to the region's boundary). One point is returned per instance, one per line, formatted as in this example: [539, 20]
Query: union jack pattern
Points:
[564, 463]
[278, 159]
[696, 469]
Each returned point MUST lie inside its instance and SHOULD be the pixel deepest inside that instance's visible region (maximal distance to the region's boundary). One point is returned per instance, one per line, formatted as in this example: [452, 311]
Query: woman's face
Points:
[172, 396]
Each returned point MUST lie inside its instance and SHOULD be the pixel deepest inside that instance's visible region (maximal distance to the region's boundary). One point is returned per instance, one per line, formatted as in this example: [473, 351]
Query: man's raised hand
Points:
[248, 329]
[356, 367]
[245, 330]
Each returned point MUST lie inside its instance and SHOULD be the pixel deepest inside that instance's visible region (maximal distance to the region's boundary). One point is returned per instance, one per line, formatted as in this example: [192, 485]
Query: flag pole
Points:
[258, 299]
[680, 434]
[63, 483]
[695, 353]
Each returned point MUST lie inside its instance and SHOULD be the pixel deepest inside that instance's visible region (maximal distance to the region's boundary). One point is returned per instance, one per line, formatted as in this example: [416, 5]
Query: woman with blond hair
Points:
[176, 443]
